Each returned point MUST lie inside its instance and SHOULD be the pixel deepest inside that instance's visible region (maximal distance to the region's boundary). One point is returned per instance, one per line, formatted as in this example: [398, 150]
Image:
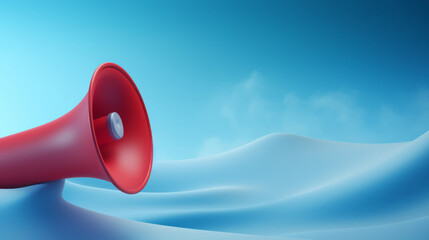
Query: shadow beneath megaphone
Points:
[40, 212]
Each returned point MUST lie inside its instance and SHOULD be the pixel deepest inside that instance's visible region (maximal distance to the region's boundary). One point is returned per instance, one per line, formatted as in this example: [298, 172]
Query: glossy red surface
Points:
[68, 146]
[128, 161]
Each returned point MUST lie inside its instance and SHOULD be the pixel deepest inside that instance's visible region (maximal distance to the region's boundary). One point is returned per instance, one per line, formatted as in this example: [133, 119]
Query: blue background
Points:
[218, 74]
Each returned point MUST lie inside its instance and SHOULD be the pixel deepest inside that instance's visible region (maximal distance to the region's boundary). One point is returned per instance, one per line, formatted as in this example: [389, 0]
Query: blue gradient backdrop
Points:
[218, 74]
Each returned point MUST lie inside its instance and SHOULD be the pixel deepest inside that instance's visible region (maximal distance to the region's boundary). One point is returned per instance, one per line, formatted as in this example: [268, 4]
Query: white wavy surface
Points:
[277, 186]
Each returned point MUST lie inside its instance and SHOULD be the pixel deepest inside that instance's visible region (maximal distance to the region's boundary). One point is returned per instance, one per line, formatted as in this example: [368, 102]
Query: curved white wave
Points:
[280, 185]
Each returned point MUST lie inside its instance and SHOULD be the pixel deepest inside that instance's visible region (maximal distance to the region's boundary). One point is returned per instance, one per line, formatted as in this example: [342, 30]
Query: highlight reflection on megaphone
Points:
[106, 136]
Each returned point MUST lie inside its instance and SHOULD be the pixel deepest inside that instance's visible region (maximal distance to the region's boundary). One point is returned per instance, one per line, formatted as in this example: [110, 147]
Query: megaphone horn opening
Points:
[128, 160]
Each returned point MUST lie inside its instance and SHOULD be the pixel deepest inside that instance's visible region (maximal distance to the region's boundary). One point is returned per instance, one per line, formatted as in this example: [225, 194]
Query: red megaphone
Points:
[106, 136]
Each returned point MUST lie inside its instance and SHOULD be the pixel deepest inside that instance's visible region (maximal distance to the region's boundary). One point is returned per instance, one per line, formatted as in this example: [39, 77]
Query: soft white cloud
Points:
[423, 100]
[340, 106]
[319, 115]
[251, 111]
[245, 100]
[211, 146]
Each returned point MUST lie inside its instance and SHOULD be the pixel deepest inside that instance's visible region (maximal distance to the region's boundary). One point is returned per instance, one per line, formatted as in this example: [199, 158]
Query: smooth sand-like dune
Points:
[278, 186]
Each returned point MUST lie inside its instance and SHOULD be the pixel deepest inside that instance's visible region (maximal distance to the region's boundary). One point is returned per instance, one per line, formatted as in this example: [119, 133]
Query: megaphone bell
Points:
[106, 136]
